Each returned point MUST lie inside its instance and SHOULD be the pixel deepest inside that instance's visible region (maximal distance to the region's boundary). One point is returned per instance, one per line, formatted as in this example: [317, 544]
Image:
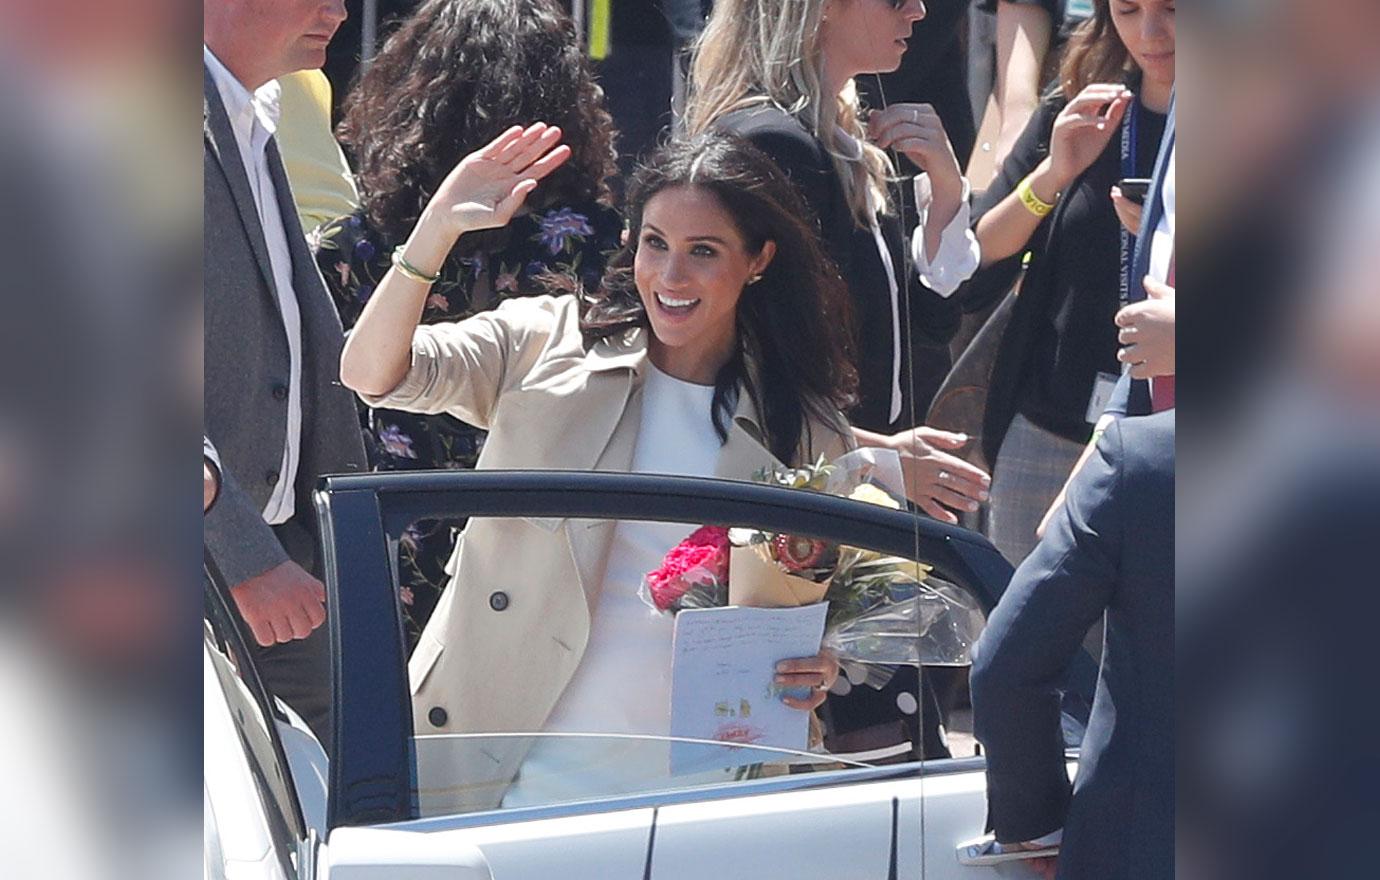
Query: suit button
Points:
[271, 478]
[437, 716]
[280, 392]
[498, 601]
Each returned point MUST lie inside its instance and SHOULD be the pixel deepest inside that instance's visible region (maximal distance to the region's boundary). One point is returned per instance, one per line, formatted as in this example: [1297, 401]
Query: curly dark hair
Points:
[454, 76]
[795, 325]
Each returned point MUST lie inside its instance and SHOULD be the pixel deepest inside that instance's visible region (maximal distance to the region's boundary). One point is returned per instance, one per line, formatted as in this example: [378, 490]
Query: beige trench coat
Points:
[510, 630]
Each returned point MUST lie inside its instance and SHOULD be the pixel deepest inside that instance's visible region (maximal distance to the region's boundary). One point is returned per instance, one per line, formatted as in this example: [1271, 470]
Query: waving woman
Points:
[714, 345]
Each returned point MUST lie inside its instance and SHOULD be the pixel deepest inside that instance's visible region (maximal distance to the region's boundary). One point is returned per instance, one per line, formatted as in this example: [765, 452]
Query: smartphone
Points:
[1134, 188]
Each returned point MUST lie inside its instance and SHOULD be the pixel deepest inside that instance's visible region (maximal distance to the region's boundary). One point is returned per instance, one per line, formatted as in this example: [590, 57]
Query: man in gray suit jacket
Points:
[1110, 551]
[274, 407]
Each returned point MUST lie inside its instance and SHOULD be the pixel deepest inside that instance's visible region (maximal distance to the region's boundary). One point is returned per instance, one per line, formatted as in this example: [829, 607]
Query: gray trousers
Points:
[1029, 472]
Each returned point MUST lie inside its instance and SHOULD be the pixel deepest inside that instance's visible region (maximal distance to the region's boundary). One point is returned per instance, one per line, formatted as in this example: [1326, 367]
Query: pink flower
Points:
[506, 281]
[699, 560]
[405, 593]
[437, 301]
[343, 270]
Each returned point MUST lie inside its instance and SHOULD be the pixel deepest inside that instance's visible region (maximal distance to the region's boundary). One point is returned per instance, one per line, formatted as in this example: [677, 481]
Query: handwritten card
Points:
[722, 666]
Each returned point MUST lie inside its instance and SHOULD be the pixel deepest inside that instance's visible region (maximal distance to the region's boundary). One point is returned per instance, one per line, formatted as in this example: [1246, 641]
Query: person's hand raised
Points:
[1084, 128]
[487, 187]
[916, 131]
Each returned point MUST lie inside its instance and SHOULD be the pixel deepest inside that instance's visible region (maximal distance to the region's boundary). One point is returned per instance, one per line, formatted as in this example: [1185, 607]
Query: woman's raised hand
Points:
[916, 131]
[1084, 128]
[487, 187]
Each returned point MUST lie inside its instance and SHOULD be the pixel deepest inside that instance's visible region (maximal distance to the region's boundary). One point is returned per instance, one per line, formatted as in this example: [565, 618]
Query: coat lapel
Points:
[594, 427]
[743, 453]
[220, 140]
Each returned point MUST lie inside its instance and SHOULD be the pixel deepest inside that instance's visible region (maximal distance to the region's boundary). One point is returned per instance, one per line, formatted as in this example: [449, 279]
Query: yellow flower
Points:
[872, 495]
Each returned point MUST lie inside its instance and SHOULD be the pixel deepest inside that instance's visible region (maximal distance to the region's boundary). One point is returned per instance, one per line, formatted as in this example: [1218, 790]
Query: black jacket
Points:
[933, 320]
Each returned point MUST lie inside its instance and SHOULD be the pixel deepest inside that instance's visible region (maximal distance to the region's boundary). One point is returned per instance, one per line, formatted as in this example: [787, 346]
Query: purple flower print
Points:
[363, 292]
[364, 250]
[558, 226]
[395, 442]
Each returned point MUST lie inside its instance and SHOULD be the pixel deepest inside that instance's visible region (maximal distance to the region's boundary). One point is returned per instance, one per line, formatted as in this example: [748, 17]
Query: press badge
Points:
[1103, 386]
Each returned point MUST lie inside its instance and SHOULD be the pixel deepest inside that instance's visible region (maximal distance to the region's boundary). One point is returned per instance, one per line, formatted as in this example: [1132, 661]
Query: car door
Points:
[843, 821]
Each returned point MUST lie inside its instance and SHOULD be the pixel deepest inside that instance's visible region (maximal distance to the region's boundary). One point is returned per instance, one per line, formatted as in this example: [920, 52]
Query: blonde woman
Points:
[780, 73]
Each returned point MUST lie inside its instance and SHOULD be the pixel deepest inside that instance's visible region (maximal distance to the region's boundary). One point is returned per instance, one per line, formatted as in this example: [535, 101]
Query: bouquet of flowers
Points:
[884, 611]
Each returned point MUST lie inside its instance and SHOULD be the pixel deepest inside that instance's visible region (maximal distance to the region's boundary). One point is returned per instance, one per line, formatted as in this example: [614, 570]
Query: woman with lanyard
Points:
[1056, 199]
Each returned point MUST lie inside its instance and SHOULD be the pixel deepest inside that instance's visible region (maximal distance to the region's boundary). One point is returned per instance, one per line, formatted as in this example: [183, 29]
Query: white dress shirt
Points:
[1162, 244]
[254, 118]
[623, 682]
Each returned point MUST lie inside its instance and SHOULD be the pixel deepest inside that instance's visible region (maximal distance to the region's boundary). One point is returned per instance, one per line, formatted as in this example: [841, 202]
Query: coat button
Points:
[437, 716]
[271, 478]
[498, 601]
[280, 392]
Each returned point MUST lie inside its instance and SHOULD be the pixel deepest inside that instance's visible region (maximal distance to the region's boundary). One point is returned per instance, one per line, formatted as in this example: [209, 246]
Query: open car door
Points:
[784, 814]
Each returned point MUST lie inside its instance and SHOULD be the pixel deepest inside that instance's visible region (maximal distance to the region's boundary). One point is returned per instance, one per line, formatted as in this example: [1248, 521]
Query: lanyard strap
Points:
[1128, 169]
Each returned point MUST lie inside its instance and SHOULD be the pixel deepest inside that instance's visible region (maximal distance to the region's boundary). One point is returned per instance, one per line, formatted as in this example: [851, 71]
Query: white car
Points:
[277, 808]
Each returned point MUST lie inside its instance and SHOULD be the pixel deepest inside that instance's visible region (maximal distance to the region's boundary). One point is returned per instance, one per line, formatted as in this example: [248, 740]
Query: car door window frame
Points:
[363, 517]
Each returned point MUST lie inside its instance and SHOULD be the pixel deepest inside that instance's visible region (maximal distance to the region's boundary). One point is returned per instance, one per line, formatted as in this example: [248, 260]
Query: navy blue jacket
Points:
[1109, 551]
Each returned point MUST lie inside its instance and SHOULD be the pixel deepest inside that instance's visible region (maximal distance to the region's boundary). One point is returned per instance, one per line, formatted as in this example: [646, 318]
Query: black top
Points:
[933, 319]
[1061, 332]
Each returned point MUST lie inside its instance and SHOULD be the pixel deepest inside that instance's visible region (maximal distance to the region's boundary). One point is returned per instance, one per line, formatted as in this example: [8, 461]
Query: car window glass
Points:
[535, 685]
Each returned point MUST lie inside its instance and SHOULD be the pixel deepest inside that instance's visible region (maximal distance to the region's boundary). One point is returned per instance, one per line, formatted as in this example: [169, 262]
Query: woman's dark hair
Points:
[1094, 53]
[454, 76]
[795, 326]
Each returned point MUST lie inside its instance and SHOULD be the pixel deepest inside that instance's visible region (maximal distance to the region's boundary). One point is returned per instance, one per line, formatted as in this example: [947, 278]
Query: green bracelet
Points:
[402, 265]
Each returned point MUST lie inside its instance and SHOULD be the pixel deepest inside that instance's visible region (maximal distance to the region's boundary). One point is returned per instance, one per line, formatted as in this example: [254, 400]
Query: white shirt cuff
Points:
[958, 255]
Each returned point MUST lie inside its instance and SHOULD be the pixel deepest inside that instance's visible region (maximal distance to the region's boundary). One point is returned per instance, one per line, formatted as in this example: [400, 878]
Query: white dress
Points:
[623, 683]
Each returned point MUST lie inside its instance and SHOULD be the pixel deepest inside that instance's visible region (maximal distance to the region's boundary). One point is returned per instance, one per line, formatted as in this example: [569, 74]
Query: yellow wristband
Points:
[410, 270]
[1033, 203]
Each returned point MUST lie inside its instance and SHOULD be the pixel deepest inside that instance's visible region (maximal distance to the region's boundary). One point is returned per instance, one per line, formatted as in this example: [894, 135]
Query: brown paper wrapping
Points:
[759, 583]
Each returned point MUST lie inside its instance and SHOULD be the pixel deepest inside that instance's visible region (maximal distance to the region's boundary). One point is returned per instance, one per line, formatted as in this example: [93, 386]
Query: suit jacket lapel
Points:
[220, 139]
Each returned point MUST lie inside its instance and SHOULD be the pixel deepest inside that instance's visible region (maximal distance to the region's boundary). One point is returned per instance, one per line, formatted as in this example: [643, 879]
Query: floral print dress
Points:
[353, 258]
